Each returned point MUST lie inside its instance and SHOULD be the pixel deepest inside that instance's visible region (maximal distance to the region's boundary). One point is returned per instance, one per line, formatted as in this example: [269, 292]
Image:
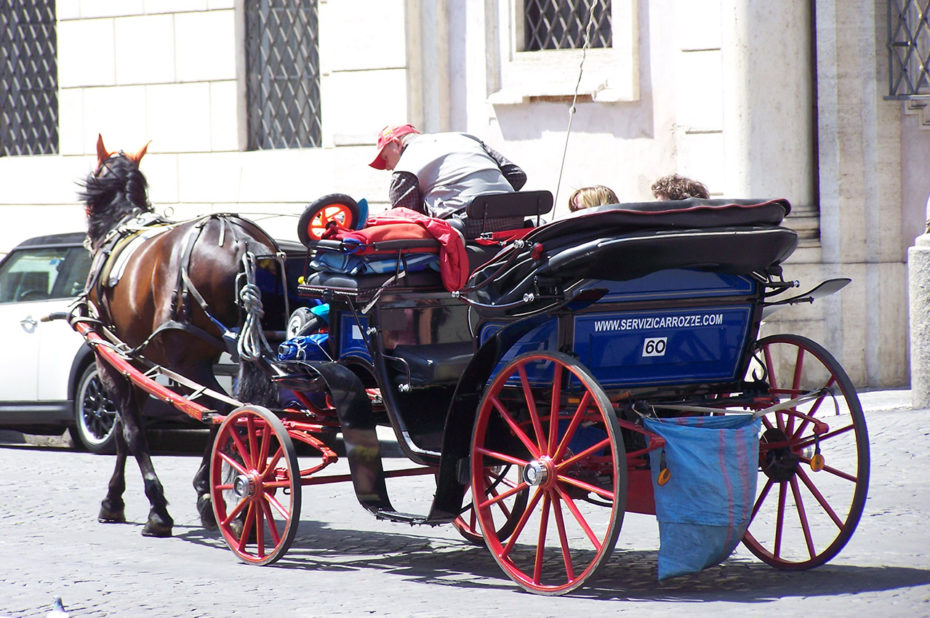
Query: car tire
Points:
[94, 415]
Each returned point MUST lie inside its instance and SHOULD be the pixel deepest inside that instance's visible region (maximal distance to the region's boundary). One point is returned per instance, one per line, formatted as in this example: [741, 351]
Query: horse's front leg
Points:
[112, 508]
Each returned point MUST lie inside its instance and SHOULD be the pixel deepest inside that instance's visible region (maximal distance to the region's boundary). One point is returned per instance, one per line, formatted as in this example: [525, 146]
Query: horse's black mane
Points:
[119, 190]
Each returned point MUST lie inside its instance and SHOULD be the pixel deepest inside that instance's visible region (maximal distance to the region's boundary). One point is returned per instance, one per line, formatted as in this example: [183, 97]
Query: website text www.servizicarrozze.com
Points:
[695, 320]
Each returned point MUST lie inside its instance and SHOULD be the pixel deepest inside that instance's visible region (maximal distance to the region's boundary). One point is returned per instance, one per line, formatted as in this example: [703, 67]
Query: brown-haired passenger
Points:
[675, 187]
[595, 195]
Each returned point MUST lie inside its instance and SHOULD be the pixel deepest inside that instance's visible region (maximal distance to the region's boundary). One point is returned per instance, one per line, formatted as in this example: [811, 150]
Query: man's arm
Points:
[405, 192]
[511, 171]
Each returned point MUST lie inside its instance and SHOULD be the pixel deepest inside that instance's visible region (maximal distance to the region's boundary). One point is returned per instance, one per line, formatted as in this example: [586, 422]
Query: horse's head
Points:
[115, 189]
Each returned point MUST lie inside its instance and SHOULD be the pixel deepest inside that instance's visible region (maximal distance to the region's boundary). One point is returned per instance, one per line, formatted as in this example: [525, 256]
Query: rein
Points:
[571, 109]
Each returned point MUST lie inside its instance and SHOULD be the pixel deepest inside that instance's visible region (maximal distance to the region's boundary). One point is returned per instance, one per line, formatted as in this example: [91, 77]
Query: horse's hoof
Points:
[107, 516]
[156, 529]
[205, 508]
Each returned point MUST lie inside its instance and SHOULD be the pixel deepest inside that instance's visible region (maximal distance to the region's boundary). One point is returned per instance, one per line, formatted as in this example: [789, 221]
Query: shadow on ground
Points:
[628, 575]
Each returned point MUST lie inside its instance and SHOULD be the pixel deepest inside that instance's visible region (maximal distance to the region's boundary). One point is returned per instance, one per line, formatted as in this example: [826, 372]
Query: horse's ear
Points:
[102, 154]
[137, 156]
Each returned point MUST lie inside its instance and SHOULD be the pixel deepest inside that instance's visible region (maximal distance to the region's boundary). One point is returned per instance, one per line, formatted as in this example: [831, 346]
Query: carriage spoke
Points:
[580, 518]
[517, 430]
[761, 499]
[770, 367]
[242, 450]
[541, 539]
[251, 435]
[246, 527]
[554, 407]
[531, 407]
[499, 498]
[584, 454]
[534, 500]
[802, 517]
[272, 524]
[573, 425]
[563, 538]
[501, 456]
[809, 483]
[272, 464]
[604, 493]
[779, 519]
[277, 505]
[263, 452]
[259, 530]
[233, 464]
[235, 512]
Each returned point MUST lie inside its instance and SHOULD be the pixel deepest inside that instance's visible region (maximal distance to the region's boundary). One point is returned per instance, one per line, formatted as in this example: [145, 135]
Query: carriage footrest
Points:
[408, 518]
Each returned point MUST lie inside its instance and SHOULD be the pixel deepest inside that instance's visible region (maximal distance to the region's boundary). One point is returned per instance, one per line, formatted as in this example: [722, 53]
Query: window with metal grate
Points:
[909, 49]
[566, 24]
[28, 78]
[283, 74]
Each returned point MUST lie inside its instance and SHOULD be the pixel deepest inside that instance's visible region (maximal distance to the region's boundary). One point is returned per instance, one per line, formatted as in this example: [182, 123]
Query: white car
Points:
[50, 380]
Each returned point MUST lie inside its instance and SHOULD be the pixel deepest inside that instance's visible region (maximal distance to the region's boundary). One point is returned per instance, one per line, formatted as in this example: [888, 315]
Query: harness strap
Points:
[218, 342]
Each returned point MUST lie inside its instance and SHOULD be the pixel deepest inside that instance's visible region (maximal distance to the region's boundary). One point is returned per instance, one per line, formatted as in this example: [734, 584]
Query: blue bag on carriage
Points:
[306, 347]
[354, 265]
[704, 508]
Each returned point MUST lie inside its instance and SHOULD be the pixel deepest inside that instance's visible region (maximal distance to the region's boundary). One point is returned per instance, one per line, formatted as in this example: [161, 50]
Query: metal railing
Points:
[28, 78]
[561, 24]
[283, 74]
[908, 49]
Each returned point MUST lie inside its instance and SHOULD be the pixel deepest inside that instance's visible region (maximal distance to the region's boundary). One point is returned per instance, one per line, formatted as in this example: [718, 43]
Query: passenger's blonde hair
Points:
[595, 195]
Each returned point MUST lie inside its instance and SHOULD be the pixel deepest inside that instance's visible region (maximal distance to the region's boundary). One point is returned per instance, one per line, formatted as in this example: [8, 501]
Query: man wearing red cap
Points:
[441, 173]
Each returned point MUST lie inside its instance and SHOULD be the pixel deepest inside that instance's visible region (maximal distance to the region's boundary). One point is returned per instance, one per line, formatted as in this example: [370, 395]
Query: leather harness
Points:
[120, 238]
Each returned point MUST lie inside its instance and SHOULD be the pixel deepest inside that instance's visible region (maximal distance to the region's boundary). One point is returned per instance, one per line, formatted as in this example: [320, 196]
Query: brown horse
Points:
[174, 300]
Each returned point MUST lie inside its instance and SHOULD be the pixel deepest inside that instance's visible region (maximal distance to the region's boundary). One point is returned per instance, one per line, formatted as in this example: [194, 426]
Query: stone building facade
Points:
[755, 99]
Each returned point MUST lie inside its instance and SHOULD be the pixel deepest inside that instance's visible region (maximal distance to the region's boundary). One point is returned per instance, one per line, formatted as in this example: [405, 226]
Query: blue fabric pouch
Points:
[307, 347]
[704, 508]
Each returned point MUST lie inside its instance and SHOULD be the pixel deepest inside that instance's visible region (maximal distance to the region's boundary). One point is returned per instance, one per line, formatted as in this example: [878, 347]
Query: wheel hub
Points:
[781, 463]
[538, 472]
[243, 486]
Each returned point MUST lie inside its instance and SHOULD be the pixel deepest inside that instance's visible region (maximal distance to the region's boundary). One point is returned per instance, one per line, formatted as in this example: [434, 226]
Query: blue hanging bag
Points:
[706, 504]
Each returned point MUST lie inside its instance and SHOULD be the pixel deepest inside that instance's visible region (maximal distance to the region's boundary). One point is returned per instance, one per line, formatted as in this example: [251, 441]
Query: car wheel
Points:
[94, 415]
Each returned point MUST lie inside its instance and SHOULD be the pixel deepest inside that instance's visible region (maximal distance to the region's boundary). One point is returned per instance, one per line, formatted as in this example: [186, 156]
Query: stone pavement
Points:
[345, 563]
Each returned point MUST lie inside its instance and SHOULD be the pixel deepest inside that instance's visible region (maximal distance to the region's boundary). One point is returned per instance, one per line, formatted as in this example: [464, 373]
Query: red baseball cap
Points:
[388, 134]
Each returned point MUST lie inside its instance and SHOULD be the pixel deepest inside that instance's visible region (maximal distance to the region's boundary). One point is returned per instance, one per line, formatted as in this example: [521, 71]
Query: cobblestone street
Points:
[344, 562]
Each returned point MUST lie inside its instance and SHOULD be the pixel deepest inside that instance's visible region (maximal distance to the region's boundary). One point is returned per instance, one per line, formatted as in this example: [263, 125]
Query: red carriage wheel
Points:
[547, 415]
[813, 457]
[506, 513]
[335, 208]
[255, 485]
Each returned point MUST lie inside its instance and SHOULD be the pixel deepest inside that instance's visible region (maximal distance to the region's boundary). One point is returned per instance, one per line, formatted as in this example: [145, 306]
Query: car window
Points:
[73, 273]
[32, 274]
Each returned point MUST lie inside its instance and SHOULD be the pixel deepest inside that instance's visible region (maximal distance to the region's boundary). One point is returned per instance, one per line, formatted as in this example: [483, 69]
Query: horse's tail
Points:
[254, 384]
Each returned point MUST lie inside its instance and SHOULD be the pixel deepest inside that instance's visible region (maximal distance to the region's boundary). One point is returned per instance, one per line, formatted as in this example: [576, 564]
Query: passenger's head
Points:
[390, 145]
[675, 187]
[595, 195]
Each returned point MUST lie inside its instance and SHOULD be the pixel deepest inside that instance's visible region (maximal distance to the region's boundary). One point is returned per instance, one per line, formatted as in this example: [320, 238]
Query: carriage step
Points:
[408, 518]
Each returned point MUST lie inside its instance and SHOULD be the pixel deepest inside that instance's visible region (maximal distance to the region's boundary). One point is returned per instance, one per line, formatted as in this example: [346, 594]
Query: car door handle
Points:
[28, 324]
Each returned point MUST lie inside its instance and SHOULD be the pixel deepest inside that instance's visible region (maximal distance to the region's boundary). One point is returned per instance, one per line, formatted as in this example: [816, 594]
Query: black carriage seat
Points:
[523, 209]
[519, 205]
[432, 364]
[624, 241]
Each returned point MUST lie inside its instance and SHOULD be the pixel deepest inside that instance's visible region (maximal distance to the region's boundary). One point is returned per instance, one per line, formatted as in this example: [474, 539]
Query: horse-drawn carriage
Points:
[550, 378]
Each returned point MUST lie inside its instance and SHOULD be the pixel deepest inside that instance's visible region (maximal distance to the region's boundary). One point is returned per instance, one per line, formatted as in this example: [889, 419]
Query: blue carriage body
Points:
[660, 345]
